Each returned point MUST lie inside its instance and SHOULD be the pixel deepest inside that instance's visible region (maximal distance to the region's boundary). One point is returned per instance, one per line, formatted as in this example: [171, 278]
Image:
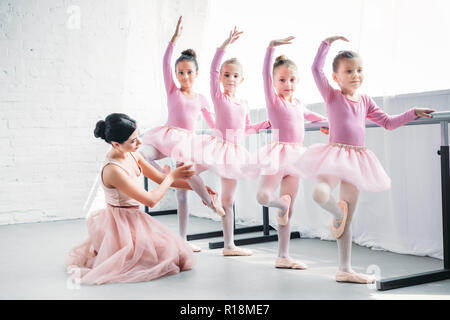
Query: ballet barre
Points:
[441, 118]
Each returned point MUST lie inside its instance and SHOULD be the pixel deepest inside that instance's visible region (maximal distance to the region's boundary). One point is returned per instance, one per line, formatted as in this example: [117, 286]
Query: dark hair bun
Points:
[99, 131]
[190, 53]
[282, 57]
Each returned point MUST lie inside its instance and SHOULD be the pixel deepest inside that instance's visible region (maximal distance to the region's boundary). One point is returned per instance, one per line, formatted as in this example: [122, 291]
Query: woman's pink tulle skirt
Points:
[356, 165]
[127, 245]
[280, 157]
[176, 143]
[226, 159]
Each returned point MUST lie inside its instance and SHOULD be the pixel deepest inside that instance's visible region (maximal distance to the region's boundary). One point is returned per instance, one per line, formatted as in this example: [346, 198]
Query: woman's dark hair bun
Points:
[190, 53]
[116, 127]
[99, 131]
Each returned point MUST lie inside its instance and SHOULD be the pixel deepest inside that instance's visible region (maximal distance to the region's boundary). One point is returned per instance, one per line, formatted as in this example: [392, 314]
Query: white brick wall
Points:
[64, 66]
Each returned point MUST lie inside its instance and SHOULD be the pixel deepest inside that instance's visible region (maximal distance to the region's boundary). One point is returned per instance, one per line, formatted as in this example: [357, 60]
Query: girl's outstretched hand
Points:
[178, 30]
[424, 112]
[325, 130]
[330, 40]
[233, 36]
[279, 42]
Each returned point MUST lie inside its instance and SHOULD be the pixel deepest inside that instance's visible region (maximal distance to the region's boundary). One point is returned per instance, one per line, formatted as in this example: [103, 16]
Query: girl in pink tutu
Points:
[345, 159]
[176, 139]
[279, 159]
[223, 152]
[125, 244]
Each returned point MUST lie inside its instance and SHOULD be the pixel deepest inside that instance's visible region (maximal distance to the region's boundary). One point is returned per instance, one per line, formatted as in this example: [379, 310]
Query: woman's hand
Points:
[233, 36]
[279, 42]
[210, 191]
[178, 30]
[330, 40]
[183, 172]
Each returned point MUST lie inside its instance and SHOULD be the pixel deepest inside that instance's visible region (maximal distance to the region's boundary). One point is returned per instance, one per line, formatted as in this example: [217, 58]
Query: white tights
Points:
[266, 197]
[227, 198]
[348, 192]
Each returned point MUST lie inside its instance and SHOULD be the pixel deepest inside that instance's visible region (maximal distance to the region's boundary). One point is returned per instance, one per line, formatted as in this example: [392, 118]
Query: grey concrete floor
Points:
[32, 257]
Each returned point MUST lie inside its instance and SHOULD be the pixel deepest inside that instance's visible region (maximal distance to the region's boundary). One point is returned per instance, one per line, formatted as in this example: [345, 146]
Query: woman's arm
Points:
[157, 176]
[116, 177]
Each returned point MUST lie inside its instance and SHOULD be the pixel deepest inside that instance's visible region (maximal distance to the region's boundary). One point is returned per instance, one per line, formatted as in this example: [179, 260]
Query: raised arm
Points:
[215, 73]
[167, 70]
[269, 91]
[317, 68]
[215, 64]
[267, 69]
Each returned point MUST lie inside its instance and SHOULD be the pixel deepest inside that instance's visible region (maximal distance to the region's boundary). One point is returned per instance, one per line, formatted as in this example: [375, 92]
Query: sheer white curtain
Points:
[405, 49]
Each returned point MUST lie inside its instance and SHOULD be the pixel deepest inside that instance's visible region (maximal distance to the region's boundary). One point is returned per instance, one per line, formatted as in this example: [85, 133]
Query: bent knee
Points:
[262, 197]
[321, 193]
[227, 202]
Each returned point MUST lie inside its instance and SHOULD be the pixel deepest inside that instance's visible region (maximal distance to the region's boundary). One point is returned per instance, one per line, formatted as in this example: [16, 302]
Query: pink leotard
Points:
[287, 117]
[183, 111]
[229, 114]
[346, 117]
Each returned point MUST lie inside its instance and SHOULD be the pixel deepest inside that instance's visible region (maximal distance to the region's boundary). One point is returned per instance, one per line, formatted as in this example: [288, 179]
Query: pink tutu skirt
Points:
[356, 165]
[176, 143]
[226, 159]
[127, 245]
[281, 157]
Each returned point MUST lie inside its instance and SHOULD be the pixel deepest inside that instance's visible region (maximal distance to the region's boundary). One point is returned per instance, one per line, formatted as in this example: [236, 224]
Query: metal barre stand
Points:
[156, 213]
[265, 228]
[443, 274]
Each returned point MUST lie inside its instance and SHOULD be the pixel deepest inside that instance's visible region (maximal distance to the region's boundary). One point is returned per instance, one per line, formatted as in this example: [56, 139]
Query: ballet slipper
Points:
[339, 231]
[283, 220]
[289, 263]
[236, 251]
[194, 248]
[353, 277]
[216, 206]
